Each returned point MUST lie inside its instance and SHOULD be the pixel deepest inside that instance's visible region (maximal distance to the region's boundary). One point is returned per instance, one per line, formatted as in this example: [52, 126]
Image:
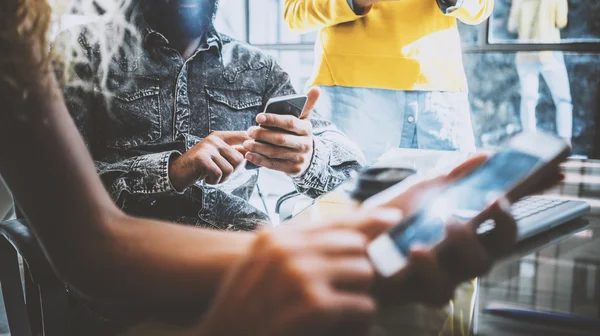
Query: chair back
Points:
[40, 306]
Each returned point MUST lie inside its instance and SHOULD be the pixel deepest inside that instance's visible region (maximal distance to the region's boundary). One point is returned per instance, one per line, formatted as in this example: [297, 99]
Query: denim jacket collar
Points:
[210, 40]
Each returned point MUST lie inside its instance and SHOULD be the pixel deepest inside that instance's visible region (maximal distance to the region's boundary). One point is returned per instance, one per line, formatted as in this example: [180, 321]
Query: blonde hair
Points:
[27, 23]
[23, 28]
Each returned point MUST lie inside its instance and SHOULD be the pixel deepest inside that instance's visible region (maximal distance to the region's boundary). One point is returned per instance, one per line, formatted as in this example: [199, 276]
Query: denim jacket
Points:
[155, 105]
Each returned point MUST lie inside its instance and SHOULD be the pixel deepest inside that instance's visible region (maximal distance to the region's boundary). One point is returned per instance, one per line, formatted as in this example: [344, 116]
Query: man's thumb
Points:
[313, 95]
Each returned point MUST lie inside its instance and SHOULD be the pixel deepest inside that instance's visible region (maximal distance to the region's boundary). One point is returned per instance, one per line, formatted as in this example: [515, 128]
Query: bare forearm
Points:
[90, 243]
[151, 262]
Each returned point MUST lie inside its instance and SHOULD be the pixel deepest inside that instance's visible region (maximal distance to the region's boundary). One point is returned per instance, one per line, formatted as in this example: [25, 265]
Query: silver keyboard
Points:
[535, 214]
[531, 205]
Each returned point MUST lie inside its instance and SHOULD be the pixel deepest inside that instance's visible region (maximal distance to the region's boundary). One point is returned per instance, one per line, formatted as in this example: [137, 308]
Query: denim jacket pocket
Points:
[232, 110]
[133, 118]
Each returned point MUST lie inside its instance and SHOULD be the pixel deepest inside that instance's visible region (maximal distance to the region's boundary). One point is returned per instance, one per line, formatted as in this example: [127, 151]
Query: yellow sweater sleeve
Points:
[307, 15]
[473, 12]
[562, 14]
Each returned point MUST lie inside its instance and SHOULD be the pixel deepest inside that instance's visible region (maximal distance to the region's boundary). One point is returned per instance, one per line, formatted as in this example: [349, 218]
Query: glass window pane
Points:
[268, 27]
[231, 19]
[297, 63]
[502, 88]
[545, 21]
[469, 34]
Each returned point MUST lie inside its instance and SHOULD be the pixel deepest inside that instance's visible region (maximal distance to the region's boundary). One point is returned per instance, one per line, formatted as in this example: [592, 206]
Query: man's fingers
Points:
[241, 150]
[232, 137]
[281, 139]
[287, 167]
[213, 173]
[313, 95]
[232, 155]
[225, 167]
[285, 122]
[273, 152]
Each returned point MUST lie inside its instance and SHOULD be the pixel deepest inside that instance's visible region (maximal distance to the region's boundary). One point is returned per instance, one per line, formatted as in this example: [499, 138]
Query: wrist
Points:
[175, 177]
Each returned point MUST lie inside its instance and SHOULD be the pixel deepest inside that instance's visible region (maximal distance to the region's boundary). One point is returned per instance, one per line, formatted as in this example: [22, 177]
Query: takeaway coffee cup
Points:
[375, 180]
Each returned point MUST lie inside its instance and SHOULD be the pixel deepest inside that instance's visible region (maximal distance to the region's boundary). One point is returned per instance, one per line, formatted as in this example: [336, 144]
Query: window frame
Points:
[483, 45]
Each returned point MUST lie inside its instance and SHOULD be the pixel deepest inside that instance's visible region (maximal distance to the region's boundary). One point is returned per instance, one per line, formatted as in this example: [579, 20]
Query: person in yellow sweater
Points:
[391, 72]
[540, 21]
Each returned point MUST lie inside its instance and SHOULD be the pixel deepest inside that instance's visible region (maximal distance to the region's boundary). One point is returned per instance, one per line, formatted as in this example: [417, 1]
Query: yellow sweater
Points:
[400, 45]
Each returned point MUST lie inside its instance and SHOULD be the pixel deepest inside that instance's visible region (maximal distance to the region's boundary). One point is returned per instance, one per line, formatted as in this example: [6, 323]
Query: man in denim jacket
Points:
[164, 121]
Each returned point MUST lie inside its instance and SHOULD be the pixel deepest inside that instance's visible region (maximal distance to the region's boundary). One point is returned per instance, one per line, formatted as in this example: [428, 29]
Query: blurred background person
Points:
[540, 21]
[391, 72]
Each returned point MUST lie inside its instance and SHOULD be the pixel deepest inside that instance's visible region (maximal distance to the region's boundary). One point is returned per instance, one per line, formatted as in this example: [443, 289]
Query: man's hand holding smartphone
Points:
[283, 142]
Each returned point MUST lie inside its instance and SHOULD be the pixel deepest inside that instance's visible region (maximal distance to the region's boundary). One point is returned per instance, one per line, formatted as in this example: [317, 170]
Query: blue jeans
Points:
[554, 73]
[378, 120]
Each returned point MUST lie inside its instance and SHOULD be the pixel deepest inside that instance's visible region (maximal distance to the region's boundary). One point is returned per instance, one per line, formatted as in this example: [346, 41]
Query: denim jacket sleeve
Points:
[334, 155]
[144, 174]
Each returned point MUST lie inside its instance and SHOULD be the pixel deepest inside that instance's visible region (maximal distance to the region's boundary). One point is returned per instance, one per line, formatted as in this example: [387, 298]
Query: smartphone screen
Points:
[465, 199]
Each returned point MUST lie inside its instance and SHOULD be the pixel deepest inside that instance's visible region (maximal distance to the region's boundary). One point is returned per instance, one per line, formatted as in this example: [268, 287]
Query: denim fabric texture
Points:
[151, 106]
[156, 105]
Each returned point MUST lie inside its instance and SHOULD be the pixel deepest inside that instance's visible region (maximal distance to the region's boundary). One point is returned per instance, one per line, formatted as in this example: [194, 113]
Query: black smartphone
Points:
[372, 181]
[285, 105]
